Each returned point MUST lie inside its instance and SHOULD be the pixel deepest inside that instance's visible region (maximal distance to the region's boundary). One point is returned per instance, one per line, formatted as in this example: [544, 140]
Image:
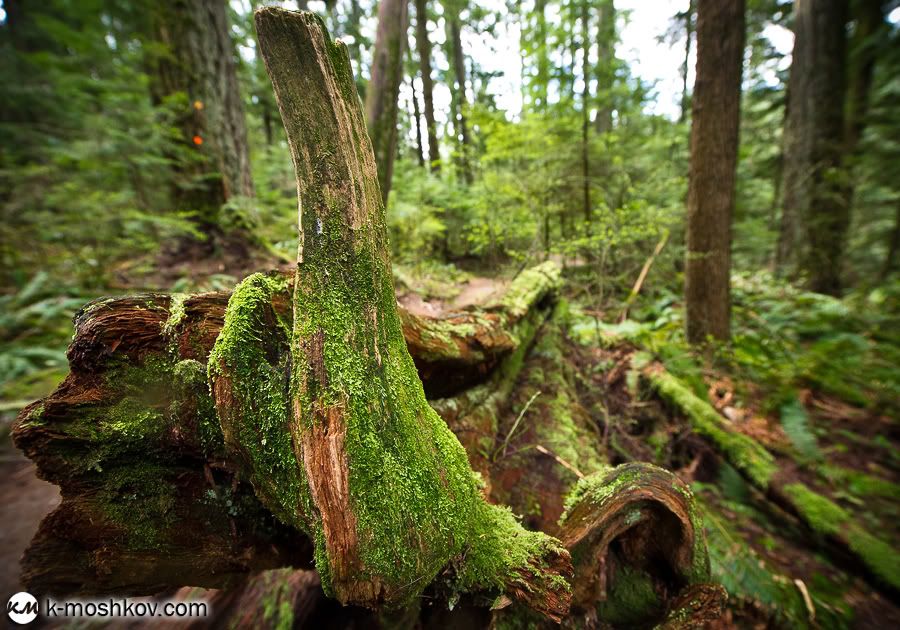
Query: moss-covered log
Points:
[137, 396]
[636, 541]
[825, 518]
[462, 349]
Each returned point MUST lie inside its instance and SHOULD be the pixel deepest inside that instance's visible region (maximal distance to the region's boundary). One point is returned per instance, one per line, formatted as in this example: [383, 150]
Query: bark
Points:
[714, 143]
[651, 516]
[606, 70]
[459, 73]
[827, 218]
[893, 252]
[382, 93]
[814, 207]
[199, 62]
[424, 48]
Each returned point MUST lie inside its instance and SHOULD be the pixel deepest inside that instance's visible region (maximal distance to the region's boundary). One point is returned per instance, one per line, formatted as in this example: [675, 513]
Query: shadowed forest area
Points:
[451, 313]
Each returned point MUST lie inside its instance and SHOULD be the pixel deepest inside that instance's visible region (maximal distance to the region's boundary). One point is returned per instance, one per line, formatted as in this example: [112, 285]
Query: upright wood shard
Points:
[389, 499]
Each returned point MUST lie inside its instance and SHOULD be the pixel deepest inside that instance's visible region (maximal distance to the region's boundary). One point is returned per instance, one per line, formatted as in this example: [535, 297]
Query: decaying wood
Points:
[636, 516]
[386, 490]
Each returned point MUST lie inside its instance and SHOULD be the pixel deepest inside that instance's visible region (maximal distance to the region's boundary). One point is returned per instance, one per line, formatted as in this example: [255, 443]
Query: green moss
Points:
[631, 600]
[138, 500]
[528, 286]
[822, 516]
[860, 483]
[744, 453]
[192, 390]
[879, 556]
[253, 355]
[829, 519]
[176, 314]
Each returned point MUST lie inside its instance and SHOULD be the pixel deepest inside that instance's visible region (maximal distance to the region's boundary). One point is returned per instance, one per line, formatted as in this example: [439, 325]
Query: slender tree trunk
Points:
[688, 37]
[870, 21]
[199, 61]
[814, 203]
[543, 61]
[585, 116]
[420, 153]
[892, 258]
[424, 46]
[714, 144]
[606, 59]
[827, 216]
[459, 70]
[384, 87]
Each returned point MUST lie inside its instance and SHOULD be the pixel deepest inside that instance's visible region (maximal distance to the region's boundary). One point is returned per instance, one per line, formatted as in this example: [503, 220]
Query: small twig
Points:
[806, 599]
[643, 275]
[516, 423]
[559, 459]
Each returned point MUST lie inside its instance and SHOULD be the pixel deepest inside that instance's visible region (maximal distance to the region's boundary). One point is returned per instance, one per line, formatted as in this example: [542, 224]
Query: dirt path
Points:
[24, 501]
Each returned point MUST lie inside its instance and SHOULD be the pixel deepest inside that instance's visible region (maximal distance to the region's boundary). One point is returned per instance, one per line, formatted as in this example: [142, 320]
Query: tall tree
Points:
[606, 64]
[424, 47]
[459, 89]
[586, 114]
[417, 121]
[384, 87]
[688, 17]
[814, 203]
[711, 184]
[198, 60]
[870, 24]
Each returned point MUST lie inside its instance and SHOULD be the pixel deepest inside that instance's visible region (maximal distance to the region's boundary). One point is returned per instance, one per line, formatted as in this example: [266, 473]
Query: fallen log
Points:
[760, 468]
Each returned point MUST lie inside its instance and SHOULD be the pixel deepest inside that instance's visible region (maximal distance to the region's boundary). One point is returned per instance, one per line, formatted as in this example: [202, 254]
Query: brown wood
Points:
[711, 183]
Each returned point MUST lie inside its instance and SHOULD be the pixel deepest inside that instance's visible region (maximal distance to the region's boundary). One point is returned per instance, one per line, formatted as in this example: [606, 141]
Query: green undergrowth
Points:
[751, 581]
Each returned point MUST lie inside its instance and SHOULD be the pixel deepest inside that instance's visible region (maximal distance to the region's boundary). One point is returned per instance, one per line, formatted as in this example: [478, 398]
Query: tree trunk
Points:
[543, 60]
[688, 37]
[814, 141]
[459, 71]
[870, 22]
[893, 253]
[585, 117]
[384, 87]
[424, 47]
[714, 144]
[827, 218]
[606, 70]
[416, 121]
[199, 62]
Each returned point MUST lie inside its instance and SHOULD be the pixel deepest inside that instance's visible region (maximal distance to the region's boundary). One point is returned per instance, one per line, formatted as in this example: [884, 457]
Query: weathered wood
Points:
[633, 533]
[385, 488]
